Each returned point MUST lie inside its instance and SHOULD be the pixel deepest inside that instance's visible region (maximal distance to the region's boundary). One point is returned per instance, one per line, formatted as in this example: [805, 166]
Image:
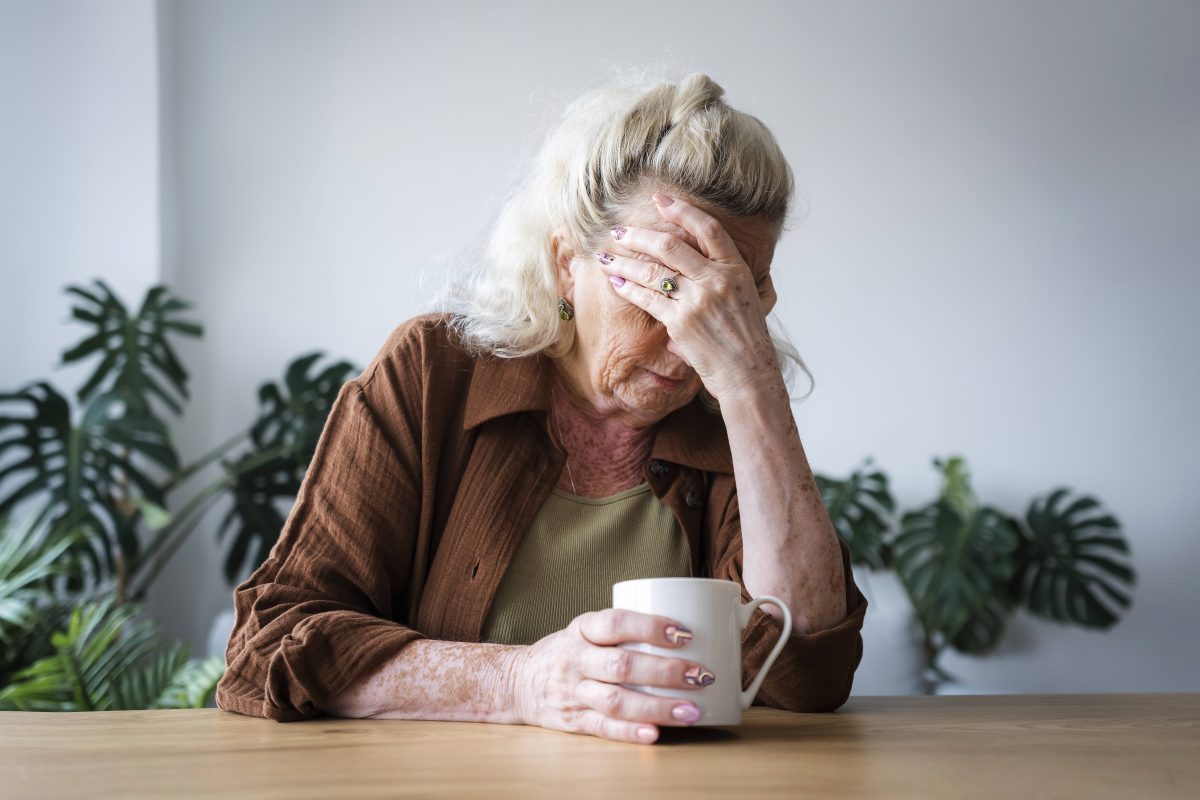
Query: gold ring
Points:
[668, 285]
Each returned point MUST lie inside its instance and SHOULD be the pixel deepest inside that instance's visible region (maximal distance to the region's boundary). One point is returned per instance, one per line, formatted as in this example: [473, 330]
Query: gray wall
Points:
[998, 257]
[78, 167]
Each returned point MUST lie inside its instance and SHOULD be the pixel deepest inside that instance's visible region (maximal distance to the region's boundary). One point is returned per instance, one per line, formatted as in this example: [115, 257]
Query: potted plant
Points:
[101, 478]
[965, 567]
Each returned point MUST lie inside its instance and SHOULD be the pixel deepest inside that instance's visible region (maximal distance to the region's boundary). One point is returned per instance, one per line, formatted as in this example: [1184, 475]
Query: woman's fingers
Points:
[596, 724]
[611, 626]
[653, 302]
[617, 665]
[665, 248]
[647, 273]
[714, 241]
[627, 704]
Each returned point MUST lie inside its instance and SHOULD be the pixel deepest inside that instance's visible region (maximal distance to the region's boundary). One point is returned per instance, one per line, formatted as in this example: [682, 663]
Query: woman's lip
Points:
[664, 380]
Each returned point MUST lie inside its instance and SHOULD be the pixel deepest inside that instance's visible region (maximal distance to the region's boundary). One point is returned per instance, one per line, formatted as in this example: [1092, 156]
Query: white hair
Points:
[604, 150]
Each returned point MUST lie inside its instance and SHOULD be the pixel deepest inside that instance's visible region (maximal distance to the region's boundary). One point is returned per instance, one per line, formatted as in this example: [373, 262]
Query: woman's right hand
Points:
[570, 680]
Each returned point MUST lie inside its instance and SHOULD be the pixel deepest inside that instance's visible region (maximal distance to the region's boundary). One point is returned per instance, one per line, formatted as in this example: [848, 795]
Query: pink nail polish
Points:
[685, 712]
[663, 200]
[618, 233]
[604, 258]
[647, 734]
[616, 280]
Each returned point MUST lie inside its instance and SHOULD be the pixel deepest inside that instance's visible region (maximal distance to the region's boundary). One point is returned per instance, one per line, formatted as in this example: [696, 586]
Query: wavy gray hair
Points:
[606, 147]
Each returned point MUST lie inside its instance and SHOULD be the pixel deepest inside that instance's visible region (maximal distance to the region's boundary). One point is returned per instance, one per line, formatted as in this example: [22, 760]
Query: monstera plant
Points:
[99, 473]
[966, 567]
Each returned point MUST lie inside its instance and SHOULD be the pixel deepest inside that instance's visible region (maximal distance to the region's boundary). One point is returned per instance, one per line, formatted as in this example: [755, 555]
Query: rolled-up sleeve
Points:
[815, 670]
[319, 613]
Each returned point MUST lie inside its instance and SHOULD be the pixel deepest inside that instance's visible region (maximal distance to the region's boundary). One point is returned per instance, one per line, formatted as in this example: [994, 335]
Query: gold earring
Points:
[565, 311]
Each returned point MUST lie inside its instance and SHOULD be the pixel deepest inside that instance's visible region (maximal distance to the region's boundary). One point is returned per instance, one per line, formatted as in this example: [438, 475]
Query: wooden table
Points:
[1010, 746]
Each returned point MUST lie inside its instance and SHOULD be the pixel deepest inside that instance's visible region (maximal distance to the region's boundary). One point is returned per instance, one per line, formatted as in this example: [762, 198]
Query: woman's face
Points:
[619, 348]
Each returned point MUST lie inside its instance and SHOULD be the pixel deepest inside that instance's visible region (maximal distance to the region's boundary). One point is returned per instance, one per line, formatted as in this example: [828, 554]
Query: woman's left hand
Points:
[715, 317]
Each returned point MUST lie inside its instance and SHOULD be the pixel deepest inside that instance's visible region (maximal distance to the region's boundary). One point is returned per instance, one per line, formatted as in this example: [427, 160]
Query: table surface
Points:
[1024, 746]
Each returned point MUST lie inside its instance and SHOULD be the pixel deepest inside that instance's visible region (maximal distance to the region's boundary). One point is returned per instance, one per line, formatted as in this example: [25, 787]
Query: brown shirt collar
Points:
[690, 436]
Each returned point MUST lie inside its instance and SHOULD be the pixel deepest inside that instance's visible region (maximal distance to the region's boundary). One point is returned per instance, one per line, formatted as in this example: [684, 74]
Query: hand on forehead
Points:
[755, 240]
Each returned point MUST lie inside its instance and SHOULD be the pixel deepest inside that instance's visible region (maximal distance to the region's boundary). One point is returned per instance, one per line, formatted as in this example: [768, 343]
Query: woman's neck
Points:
[605, 454]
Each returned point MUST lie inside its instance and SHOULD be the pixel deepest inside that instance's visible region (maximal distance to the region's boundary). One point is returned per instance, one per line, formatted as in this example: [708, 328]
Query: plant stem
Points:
[931, 655]
[172, 537]
[213, 455]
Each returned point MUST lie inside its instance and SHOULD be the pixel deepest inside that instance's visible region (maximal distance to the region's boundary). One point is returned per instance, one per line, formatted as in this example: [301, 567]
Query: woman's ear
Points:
[563, 251]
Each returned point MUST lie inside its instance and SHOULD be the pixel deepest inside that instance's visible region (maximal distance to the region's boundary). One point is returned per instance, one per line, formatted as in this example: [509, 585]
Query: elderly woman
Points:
[578, 421]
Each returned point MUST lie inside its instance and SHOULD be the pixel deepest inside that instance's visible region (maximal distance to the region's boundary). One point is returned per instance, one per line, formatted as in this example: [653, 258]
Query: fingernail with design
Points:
[617, 233]
[698, 676]
[678, 634]
[604, 258]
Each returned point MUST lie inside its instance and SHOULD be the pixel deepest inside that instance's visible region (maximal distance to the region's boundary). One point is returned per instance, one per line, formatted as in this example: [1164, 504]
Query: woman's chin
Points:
[649, 394]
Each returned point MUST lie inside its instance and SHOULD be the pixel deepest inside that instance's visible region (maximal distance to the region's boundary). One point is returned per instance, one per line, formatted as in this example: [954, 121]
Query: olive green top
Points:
[574, 551]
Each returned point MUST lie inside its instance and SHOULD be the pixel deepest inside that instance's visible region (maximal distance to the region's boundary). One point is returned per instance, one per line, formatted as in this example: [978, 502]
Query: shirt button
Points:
[659, 468]
[693, 500]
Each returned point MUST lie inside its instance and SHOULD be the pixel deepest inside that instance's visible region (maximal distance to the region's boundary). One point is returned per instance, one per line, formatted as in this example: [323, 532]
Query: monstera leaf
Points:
[953, 557]
[951, 566]
[137, 361]
[285, 435]
[1074, 558]
[860, 508]
[985, 625]
[292, 416]
[261, 495]
[88, 471]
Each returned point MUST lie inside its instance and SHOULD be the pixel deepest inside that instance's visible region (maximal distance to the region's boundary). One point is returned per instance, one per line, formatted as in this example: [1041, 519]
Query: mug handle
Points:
[744, 612]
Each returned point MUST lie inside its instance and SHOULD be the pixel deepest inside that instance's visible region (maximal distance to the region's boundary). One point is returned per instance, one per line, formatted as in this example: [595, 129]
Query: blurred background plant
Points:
[966, 567]
[94, 481]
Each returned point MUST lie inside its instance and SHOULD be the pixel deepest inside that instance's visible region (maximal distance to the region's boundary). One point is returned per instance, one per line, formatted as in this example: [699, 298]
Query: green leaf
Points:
[1074, 561]
[956, 568]
[284, 436]
[138, 362]
[155, 516]
[31, 557]
[89, 471]
[194, 685]
[105, 659]
[860, 508]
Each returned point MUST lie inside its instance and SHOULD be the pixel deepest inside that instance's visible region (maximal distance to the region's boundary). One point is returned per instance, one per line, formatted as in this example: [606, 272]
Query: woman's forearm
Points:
[436, 680]
[789, 546]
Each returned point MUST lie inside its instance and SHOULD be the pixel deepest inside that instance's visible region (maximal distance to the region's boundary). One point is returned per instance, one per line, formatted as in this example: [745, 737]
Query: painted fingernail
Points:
[604, 258]
[616, 280]
[647, 734]
[698, 676]
[685, 712]
[663, 200]
[617, 233]
[678, 634]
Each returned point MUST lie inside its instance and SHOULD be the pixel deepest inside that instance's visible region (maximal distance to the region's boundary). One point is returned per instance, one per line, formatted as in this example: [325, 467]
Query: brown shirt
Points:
[430, 468]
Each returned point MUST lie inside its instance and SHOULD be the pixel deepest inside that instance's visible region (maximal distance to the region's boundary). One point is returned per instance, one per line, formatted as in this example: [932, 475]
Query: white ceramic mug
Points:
[713, 610]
